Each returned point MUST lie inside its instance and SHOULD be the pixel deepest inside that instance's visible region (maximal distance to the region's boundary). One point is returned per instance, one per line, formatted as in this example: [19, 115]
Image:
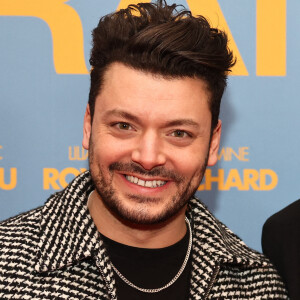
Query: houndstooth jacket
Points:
[56, 252]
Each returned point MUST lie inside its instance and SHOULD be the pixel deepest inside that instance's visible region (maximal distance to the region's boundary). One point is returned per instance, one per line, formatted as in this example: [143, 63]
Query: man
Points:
[281, 243]
[131, 227]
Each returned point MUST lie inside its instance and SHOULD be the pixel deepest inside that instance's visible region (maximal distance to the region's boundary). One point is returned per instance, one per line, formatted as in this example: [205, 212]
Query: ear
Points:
[214, 145]
[87, 128]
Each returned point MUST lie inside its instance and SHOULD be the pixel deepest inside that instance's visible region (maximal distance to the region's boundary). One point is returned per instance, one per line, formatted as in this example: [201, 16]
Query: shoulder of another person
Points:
[288, 215]
[285, 223]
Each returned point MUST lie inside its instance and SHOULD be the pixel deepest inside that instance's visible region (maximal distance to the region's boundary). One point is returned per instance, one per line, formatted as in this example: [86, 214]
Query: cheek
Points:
[190, 165]
[191, 160]
[106, 150]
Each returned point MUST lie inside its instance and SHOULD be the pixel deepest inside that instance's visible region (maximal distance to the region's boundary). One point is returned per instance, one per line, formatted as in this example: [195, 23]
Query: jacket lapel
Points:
[213, 245]
[67, 231]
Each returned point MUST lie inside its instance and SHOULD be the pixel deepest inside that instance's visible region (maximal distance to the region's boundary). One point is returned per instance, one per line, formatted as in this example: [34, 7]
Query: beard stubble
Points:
[140, 215]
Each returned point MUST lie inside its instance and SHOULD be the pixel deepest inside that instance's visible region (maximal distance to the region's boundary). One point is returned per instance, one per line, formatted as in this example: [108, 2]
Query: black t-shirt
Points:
[151, 268]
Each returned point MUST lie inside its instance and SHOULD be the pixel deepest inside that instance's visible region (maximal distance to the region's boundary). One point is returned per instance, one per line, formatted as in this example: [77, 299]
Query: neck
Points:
[153, 236]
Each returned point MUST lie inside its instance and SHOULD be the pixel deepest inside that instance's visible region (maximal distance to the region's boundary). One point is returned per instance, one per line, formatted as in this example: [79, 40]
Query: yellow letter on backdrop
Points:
[211, 10]
[271, 38]
[65, 26]
[124, 3]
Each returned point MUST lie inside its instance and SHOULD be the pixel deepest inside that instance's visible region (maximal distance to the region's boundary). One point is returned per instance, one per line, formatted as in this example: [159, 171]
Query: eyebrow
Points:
[123, 114]
[128, 116]
[182, 122]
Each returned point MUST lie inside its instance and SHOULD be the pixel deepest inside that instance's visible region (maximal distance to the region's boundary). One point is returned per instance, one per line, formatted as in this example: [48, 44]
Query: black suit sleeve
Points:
[281, 243]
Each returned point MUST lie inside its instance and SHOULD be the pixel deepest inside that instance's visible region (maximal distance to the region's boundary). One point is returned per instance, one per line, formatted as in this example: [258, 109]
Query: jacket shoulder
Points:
[249, 282]
[243, 272]
[19, 234]
[29, 217]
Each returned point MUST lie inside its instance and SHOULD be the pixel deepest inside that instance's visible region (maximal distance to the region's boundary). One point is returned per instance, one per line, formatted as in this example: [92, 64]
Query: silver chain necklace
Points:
[151, 291]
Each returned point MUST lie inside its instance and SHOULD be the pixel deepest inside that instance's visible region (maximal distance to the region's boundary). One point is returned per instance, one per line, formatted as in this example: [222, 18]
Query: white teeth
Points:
[149, 184]
[141, 182]
[145, 183]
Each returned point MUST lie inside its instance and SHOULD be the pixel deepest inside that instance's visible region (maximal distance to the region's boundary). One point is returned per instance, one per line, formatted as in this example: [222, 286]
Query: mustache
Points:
[135, 168]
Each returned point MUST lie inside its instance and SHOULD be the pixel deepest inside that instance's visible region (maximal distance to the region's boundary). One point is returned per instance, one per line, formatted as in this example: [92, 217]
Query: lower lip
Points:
[143, 189]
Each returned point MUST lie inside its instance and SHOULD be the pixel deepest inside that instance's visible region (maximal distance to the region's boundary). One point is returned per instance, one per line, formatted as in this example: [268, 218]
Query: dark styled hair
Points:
[162, 39]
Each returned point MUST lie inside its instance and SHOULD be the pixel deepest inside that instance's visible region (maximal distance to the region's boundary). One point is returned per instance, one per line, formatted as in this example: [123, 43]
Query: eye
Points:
[180, 134]
[123, 126]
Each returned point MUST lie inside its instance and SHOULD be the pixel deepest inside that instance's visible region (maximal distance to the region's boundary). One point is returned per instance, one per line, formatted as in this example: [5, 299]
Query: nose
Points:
[148, 151]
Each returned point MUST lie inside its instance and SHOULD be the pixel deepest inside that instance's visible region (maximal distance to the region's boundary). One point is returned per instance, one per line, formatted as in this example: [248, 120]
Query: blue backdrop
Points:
[44, 86]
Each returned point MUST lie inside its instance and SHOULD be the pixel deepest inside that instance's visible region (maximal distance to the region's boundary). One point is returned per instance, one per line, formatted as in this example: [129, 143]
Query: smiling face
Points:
[149, 143]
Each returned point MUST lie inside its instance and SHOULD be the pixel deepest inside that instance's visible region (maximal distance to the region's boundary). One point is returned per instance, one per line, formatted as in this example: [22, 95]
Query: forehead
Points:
[148, 94]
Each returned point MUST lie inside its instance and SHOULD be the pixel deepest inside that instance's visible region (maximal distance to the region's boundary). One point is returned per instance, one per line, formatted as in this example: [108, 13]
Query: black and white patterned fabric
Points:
[56, 252]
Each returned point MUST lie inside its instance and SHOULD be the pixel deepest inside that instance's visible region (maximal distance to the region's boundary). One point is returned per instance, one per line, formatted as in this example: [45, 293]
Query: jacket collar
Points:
[219, 242]
[214, 245]
[68, 233]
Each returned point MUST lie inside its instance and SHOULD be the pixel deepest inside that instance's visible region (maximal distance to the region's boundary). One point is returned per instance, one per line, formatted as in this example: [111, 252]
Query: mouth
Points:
[145, 183]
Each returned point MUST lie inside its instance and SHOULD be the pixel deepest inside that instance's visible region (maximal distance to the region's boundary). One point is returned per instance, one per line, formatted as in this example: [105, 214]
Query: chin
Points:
[142, 210]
